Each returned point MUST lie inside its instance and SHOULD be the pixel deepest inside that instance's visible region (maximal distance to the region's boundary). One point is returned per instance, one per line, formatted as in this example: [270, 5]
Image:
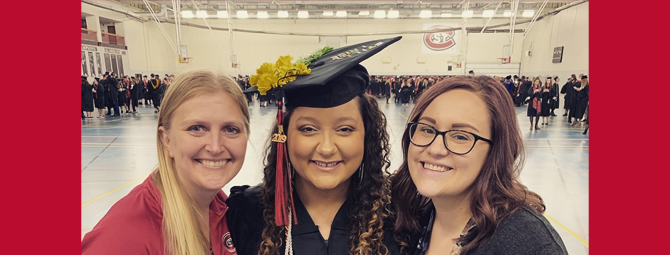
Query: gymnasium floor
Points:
[118, 153]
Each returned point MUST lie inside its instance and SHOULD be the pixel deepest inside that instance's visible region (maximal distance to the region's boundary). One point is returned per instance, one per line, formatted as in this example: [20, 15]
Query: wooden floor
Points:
[118, 153]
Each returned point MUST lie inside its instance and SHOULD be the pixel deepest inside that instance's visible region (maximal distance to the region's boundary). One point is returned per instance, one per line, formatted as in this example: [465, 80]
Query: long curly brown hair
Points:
[372, 208]
[496, 192]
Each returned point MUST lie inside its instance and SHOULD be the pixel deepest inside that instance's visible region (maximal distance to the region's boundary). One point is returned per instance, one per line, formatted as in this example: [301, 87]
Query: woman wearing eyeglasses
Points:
[458, 189]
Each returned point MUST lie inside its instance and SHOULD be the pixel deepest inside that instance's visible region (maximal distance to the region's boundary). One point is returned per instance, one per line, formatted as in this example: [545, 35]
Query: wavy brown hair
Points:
[367, 217]
[496, 192]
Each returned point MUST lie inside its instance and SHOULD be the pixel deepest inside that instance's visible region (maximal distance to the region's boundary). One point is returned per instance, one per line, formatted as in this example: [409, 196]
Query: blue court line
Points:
[98, 161]
[566, 170]
[586, 168]
[96, 216]
[101, 152]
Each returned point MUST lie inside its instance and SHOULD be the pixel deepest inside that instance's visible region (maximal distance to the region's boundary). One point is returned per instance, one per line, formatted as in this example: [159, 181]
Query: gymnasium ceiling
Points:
[407, 9]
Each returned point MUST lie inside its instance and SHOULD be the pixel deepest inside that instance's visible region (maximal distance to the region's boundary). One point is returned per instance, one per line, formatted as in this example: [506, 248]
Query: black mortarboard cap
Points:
[585, 77]
[336, 77]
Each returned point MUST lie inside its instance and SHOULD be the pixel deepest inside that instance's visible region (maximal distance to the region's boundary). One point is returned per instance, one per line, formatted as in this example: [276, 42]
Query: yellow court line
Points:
[112, 191]
[402, 115]
[566, 229]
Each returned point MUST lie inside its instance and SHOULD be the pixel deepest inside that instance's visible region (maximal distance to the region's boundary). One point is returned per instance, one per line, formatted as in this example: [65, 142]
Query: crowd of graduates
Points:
[541, 98]
[119, 95]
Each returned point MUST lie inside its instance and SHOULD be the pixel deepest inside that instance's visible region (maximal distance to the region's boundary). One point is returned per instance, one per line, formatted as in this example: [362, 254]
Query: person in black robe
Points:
[386, 87]
[156, 93]
[524, 87]
[534, 103]
[339, 213]
[547, 102]
[99, 97]
[570, 94]
[573, 106]
[113, 89]
[406, 92]
[582, 101]
[555, 102]
[86, 98]
[135, 90]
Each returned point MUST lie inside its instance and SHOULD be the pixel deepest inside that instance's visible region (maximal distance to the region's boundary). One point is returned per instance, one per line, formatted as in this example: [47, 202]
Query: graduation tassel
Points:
[283, 187]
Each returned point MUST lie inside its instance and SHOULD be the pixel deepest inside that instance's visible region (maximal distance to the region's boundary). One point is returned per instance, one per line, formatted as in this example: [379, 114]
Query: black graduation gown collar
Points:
[308, 240]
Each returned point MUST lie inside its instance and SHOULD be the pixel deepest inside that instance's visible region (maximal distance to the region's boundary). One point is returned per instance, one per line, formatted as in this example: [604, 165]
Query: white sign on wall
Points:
[439, 40]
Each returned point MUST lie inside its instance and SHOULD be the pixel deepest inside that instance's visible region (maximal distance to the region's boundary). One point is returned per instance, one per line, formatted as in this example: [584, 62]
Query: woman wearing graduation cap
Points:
[325, 188]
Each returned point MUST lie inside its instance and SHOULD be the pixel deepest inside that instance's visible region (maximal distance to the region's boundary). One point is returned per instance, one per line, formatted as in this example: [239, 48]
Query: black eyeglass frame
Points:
[444, 137]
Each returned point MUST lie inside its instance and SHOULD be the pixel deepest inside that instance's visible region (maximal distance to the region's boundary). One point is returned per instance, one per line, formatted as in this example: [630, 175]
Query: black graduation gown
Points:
[100, 96]
[582, 102]
[405, 93]
[113, 89]
[569, 98]
[86, 97]
[554, 93]
[546, 103]
[135, 94]
[525, 86]
[245, 222]
[156, 93]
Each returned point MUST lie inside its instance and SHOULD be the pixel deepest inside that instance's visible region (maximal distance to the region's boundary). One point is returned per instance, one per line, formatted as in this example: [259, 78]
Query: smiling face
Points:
[326, 145]
[436, 172]
[207, 140]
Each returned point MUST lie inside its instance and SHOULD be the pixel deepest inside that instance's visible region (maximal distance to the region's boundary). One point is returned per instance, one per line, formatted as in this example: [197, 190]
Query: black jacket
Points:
[525, 232]
[245, 222]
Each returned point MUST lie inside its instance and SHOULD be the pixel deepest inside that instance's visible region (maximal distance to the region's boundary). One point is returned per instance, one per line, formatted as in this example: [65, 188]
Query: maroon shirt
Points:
[134, 225]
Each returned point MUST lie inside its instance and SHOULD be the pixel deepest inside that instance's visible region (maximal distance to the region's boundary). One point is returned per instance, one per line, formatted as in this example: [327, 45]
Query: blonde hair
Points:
[181, 229]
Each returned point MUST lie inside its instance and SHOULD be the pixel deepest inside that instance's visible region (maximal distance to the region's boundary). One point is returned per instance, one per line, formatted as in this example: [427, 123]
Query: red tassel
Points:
[283, 187]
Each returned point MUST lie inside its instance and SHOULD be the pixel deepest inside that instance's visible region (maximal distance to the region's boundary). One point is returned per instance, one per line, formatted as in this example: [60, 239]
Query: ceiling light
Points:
[445, 15]
[303, 14]
[328, 13]
[393, 14]
[222, 14]
[341, 14]
[426, 14]
[488, 13]
[201, 14]
[467, 13]
[282, 14]
[363, 13]
[379, 14]
[528, 13]
[507, 14]
[187, 14]
[262, 15]
[242, 14]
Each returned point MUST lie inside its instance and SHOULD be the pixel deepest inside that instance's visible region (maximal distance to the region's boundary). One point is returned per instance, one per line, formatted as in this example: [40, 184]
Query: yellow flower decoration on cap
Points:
[270, 76]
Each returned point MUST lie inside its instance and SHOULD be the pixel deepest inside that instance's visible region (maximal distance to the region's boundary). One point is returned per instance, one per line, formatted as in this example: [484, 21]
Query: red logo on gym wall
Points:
[440, 40]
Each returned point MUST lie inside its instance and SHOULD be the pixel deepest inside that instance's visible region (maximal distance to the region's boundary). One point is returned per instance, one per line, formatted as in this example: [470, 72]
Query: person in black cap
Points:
[471, 72]
[331, 144]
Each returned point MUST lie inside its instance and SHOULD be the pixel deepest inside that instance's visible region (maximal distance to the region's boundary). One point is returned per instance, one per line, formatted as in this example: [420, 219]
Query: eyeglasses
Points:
[456, 141]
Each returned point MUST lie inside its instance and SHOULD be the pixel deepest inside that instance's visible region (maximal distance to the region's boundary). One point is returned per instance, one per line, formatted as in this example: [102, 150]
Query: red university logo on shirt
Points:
[228, 242]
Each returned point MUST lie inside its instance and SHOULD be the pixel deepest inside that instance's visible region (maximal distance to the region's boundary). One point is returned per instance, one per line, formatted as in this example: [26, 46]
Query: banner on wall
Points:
[439, 41]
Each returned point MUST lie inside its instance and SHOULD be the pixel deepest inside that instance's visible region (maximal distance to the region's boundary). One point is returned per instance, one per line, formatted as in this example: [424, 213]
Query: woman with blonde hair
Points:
[202, 133]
